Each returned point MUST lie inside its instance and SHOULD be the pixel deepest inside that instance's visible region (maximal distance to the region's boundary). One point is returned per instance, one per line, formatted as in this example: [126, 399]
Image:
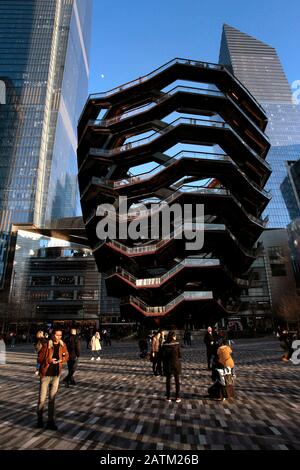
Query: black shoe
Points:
[51, 425]
[72, 382]
[40, 423]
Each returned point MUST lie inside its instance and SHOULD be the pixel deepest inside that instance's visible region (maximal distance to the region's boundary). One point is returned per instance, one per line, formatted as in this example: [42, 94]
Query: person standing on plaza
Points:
[73, 345]
[108, 338]
[224, 352]
[171, 356]
[210, 340]
[51, 358]
[286, 344]
[162, 339]
[40, 341]
[223, 375]
[187, 337]
[155, 356]
[12, 336]
[2, 350]
[88, 338]
[96, 346]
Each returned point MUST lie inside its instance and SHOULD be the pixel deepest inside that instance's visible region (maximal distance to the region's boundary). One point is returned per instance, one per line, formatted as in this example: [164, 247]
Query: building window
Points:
[64, 280]
[87, 295]
[276, 253]
[41, 281]
[278, 270]
[39, 295]
[65, 295]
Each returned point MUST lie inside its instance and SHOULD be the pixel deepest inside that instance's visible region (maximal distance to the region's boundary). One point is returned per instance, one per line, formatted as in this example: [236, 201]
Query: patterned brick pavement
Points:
[118, 404]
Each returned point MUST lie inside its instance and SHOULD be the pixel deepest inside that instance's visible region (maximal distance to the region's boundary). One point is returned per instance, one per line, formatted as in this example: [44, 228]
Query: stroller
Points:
[223, 386]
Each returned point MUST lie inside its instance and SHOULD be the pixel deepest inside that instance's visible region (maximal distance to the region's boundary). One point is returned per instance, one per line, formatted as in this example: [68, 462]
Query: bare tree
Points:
[4, 314]
[289, 308]
[15, 313]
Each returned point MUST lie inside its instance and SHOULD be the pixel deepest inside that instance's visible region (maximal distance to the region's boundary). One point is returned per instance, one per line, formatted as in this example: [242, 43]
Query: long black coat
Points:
[73, 345]
[211, 338]
[171, 355]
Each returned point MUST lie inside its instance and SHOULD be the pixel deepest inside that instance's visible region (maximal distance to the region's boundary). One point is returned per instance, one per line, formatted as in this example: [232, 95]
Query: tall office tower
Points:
[258, 67]
[44, 63]
[130, 151]
[290, 189]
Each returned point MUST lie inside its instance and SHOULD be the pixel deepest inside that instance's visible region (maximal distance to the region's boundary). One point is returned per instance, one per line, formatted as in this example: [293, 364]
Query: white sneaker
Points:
[98, 359]
[178, 400]
[92, 358]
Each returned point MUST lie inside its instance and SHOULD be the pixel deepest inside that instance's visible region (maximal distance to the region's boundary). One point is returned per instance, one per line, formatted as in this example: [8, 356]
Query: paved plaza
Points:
[118, 404]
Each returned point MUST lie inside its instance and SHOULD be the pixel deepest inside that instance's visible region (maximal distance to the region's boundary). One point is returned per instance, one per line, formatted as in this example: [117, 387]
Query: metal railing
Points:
[177, 234]
[164, 96]
[177, 60]
[158, 101]
[161, 167]
[186, 263]
[155, 72]
[141, 177]
[168, 128]
[178, 191]
[155, 135]
[192, 295]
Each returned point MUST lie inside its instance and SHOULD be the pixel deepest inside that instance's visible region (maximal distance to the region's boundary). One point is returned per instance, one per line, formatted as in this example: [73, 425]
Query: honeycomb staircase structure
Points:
[202, 135]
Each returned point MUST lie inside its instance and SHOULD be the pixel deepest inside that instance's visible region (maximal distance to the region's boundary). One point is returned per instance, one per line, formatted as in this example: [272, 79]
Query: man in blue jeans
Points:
[51, 357]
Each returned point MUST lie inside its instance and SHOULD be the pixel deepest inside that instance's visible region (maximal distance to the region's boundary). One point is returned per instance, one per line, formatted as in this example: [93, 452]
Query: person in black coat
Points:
[171, 355]
[210, 340]
[286, 341]
[73, 345]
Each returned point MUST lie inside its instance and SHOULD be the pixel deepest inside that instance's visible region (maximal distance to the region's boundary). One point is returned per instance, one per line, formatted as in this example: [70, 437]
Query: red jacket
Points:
[45, 356]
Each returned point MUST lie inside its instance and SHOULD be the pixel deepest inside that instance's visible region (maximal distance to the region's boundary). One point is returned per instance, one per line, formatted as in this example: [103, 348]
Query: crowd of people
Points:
[165, 355]
[52, 351]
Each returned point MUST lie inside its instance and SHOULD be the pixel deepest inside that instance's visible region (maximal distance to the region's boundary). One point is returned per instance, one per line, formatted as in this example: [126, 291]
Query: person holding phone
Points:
[51, 357]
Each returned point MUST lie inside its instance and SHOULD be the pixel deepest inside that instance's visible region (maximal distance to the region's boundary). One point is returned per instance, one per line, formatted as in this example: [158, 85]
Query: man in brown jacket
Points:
[51, 357]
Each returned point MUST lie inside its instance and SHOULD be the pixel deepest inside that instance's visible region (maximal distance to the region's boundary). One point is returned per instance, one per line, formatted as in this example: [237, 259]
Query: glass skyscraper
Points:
[44, 63]
[290, 189]
[258, 67]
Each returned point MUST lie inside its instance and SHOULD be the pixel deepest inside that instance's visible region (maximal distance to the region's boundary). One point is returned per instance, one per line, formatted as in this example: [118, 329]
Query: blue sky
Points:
[130, 38]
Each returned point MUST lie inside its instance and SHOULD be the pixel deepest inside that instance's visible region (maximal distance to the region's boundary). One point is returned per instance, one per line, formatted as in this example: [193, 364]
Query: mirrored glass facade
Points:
[290, 189]
[53, 279]
[44, 62]
[258, 66]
